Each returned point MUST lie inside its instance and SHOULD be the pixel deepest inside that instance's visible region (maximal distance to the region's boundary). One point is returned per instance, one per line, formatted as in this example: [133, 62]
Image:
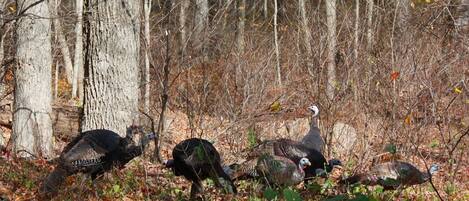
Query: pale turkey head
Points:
[304, 162]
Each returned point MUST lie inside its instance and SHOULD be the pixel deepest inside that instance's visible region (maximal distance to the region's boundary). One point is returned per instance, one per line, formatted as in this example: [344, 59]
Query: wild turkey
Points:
[392, 175]
[313, 138]
[94, 152]
[277, 170]
[197, 159]
[294, 151]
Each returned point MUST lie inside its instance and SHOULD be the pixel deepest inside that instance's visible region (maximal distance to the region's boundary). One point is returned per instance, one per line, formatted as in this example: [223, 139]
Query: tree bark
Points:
[2, 69]
[241, 25]
[356, 31]
[307, 37]
[369, 25]
[277, 52]
[201, 20]
[53, 7]
[32, 127]
[332, 49]
[77, 83]
[266, 9]
[111, 64]
[402, 33]
[462, 15]
[146, 95]
[182, 26]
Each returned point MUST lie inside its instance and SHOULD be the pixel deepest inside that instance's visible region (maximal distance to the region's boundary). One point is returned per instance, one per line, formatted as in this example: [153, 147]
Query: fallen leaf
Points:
[394, 75]
[457, 90]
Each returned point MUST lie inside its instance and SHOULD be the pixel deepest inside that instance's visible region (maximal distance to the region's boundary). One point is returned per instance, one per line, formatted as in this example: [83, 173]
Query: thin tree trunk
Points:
[53, 6]
[332, 49]
[32, 126]
[182, 26]
[369, 25]
[2, 69]
[266, 9]
[356, 31]
[201, 20]
[111, 65]
[146, 95]
[307, 37]
[277, 52]
[77, 83]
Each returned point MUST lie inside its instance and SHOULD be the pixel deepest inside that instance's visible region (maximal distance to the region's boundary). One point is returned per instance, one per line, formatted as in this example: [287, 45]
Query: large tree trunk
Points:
[32, 127]
[111, 64]
[200, 30]
[307, 37]
[369, 24]
[146, 24]
[54, 5]
[331, 48]
[2, 69]
[77, 83]
[183, 27]
[277, 51]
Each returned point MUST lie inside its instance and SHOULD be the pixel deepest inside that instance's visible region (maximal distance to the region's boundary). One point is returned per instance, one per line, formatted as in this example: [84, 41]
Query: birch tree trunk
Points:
[331, 48]
[53, 6]
[369, 25]
[201, 20]
[307, 37]
[77, 82]
[266, 9]
[146, 95]
[357, 24]
[32, 126]
[111, 64]
[182, 26]
[277, 52]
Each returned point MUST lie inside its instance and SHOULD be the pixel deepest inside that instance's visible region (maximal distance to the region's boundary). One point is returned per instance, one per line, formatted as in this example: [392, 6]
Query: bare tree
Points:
[53, 6]
[307, 37]
[369, 24]
[32, 125]
[240, 37]
[356, 31]
[462, 17]
[182, 25]
[146, 24]
[111, 64]
[77, 83]
[331, 46]
[277, 52]
[201, 23]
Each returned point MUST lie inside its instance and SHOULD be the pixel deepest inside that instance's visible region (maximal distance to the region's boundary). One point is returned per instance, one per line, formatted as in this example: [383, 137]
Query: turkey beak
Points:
[308, 163]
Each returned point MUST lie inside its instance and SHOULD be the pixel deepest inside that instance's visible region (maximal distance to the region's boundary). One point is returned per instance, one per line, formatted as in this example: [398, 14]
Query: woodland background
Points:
[390, 79]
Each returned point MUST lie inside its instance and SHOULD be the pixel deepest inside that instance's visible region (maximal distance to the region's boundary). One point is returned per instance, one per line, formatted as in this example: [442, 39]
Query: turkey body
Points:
[197, 159]
[277, 170]
[313, 139]
[93, 152]
[294, 151]
[392, 175]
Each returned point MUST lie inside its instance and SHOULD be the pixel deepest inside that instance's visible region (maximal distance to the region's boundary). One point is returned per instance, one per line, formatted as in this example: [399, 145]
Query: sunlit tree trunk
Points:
[2, 56]
[307, 38]
[32, 125]
[277, 52]
[77, 84]
[112, 29]
[201, 23]
[369, 24]
[331, 48]
[266, 9]
[146, 23]
[53, 7]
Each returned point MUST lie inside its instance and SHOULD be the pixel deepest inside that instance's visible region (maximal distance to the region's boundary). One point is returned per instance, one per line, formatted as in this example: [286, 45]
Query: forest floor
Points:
[144, 180]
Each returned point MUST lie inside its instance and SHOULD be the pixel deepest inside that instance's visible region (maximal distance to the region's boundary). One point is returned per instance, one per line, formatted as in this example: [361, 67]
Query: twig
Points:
[458, 141]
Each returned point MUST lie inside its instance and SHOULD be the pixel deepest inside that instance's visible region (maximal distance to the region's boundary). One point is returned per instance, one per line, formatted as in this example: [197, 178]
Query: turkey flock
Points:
[274, 163]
